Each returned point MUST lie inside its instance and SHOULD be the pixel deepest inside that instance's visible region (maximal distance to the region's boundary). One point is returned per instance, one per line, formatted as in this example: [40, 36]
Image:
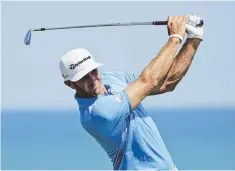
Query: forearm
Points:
[181, 64]
[160, 65]
[153, 74]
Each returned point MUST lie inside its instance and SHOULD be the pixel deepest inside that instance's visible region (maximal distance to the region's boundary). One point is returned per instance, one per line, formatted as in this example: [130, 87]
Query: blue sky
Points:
[30, 76]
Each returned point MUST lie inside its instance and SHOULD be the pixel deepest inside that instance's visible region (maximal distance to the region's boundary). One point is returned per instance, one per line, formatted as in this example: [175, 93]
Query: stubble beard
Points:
[95, 91]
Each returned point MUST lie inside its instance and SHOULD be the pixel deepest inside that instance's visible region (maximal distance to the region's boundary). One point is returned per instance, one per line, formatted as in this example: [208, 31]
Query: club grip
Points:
[159, 22]
[165, 23]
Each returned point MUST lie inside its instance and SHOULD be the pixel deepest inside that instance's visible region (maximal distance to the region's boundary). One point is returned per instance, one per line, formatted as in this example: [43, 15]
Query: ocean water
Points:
[199, 138]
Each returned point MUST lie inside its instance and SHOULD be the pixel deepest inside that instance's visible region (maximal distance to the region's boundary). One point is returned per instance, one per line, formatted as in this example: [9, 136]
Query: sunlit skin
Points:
[89, 86]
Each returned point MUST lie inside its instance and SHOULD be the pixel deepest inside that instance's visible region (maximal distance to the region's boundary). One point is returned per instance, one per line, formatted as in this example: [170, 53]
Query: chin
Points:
[96, 92]
[93, 93]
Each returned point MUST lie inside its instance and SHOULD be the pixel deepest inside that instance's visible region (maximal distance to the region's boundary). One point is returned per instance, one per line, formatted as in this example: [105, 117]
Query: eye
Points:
[85, 77]
[93, 71]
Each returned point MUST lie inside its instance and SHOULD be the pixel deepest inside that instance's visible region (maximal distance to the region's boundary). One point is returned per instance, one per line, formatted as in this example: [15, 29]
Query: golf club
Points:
[28, 35]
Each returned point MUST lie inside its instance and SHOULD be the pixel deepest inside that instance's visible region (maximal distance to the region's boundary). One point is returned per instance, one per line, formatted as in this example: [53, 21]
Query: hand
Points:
[177, 25]
[194, 20]
[192, 30]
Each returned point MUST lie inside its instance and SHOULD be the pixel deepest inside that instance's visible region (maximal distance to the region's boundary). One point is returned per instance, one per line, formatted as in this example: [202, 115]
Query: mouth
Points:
[95, 89]
[94, 85]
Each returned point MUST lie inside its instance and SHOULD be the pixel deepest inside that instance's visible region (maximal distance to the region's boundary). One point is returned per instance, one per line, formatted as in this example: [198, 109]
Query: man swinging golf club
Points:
[110, 103]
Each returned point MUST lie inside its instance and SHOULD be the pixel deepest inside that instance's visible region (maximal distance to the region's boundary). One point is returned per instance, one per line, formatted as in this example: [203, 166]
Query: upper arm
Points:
[139, 89]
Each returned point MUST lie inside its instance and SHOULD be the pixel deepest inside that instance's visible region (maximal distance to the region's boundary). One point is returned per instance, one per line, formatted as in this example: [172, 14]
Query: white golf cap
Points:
[76, 63]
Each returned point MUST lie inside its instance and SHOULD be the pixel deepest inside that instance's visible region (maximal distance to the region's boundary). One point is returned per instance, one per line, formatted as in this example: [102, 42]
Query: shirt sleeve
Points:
[113, 108]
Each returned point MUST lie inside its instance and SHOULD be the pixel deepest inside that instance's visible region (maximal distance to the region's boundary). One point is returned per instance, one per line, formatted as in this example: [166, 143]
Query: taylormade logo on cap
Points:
[76, 64]
[73, 66]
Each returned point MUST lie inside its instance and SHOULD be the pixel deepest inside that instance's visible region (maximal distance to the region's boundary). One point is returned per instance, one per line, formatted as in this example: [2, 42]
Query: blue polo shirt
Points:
[129, 137]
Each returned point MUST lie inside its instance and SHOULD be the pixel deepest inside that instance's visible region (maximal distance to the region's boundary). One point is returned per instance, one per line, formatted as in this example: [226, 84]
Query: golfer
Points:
[110, 102]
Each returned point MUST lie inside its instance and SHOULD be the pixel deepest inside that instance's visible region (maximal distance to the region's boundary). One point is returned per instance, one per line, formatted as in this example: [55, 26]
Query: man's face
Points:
[90, 84]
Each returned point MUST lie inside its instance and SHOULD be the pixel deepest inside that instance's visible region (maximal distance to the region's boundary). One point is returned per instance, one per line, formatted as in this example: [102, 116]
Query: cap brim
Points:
[85, 71]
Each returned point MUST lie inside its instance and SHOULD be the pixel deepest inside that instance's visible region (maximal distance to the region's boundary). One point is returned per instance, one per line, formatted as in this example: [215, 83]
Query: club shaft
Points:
[105, 25]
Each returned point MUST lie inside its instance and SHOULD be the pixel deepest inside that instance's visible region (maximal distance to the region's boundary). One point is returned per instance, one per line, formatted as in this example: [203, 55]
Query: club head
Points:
[27, 38]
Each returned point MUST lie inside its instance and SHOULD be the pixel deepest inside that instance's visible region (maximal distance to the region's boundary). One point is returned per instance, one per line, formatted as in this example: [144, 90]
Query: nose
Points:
[92, 77]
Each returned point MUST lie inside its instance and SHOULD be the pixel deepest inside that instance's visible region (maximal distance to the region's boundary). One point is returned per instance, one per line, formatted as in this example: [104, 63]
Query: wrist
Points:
[193, 42]
[179, 37]
[194, 39]
[175, 40]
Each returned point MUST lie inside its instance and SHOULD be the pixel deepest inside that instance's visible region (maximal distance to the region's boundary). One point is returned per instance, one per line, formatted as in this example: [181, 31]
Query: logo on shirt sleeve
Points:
[118, 98]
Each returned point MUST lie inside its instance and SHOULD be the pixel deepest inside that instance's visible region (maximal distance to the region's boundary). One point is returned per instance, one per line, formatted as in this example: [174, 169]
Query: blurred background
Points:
[40, 124]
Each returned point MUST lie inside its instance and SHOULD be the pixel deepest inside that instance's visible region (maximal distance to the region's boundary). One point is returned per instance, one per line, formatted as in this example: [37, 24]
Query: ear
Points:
[69, 84]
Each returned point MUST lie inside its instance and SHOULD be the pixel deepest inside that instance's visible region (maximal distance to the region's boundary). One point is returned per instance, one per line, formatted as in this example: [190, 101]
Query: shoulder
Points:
[99, 109]
[103, 106]
[93, 122]
[93, 115]
[110, 106]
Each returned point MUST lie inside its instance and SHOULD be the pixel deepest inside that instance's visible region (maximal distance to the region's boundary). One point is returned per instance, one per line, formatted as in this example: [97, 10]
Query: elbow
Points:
[170, 86]
[148, 80]
[167, 88]
[171, 89]
[151, 80]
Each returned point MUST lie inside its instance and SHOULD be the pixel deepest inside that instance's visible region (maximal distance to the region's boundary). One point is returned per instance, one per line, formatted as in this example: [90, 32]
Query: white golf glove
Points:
[192, 29]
